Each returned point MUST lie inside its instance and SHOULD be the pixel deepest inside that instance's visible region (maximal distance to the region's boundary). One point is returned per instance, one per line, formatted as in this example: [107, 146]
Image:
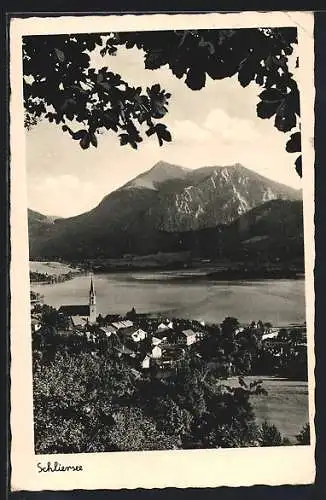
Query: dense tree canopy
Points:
[62, 85]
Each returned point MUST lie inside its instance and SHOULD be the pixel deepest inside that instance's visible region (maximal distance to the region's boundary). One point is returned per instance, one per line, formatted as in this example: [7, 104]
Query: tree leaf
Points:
[285, 118]
[93, 139]
[156, 88]
[298, 165]
[79, 134]
[166, 136]
[153, 59]
[85, 140]
[271, 95]
[294, 143]
[266, 109]
[150, 131]
[124, 139]
[247, 72]
[196, 78]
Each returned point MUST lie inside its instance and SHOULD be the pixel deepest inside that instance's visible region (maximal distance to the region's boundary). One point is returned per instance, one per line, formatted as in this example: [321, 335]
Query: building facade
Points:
[82, 315]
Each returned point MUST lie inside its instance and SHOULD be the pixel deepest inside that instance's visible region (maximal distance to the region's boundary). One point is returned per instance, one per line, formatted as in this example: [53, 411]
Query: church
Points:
[82, 315]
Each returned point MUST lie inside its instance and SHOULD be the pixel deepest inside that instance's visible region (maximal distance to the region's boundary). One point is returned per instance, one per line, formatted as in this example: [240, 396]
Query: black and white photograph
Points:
[167, 276]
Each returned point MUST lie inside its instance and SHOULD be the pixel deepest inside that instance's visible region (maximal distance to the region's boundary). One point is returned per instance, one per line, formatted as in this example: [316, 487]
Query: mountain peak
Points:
[163, 165]
[161, 172]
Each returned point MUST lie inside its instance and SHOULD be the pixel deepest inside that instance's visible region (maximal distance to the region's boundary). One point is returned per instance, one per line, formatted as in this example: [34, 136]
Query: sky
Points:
[217, 125]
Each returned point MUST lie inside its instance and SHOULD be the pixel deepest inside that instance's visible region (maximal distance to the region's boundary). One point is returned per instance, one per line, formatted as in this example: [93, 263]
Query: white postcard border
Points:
[181, 469]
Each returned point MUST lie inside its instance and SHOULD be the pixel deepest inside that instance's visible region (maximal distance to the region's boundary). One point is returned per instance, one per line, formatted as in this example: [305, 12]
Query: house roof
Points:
[124, 350]
[128, 331]
[156, 340]
[122, 324]
[108, 330]
[162, 326]
[188, 333]
[75, 310]
[137, 331]
[78, 320]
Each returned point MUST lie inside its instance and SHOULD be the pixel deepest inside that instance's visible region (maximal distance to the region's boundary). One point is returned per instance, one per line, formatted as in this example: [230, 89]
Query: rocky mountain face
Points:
[146, 214]
[271, 232]
[211, 196]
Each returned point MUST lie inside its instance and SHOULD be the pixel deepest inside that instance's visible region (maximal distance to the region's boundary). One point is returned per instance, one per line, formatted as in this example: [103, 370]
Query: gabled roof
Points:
[76, 310]
[122, 324]
[140, 330]
[188, 333]
[124, 350]
[35, 321]
[108, 330]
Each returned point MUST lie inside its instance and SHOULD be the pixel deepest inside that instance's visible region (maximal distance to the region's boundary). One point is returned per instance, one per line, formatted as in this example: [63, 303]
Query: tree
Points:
[228, 329]
[283, 334]
[61, 85]
[270, 435]
[303, 437]
[75, 397]
[295, 336]
[132, 430]
[132, 314]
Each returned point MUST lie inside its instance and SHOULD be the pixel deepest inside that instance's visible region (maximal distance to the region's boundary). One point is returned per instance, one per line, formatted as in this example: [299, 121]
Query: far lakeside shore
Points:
[186, 269]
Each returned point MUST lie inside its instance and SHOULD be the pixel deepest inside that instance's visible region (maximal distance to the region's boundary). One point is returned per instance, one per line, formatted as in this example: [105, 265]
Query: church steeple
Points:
[92, 295]
[92, 302]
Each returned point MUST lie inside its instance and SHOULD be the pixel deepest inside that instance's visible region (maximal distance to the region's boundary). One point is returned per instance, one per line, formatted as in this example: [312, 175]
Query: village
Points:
[149, 343]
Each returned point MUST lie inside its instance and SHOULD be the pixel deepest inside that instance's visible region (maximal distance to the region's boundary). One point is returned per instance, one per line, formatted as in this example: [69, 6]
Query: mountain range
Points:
[210, 210]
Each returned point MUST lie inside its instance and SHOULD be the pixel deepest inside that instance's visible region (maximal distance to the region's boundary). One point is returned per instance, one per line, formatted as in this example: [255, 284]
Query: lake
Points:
[173, 294]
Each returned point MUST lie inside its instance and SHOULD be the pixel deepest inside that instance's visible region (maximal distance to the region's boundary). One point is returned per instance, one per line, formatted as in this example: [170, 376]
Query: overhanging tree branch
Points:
[61, 86]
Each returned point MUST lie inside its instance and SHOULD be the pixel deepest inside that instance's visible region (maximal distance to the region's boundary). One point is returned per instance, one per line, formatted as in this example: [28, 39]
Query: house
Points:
[200, 335]
[119, 325]
[90, 337]
[145, 363]
[82, 315]
[135, 373]
[107, 330]
[157, 341]
[138, 335]
[164, 326]
[156, 352]
[125, 351]
[270, 335]
[78, 314]
[35, 324]
[133, 333]
[276, 346]
[172, 353]
[190, 337]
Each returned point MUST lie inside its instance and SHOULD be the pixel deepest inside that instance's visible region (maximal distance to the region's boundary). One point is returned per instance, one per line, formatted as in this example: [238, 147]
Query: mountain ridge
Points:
[167, 198]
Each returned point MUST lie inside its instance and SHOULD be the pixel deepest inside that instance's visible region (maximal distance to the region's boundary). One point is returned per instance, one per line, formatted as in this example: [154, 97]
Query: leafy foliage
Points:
[270, 436]
[61, 86]
[303, 437]
[90, 403]
[65, 88]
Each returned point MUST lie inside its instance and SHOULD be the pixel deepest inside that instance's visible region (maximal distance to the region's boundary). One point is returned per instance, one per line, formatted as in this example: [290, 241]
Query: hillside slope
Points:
[148, 213]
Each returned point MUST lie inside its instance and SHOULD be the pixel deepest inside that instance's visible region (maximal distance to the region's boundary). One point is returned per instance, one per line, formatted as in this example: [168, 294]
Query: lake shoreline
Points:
[280, 302]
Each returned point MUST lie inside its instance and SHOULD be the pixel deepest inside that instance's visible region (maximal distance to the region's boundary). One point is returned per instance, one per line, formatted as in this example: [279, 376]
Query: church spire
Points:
[92, 288]
[92, 302]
